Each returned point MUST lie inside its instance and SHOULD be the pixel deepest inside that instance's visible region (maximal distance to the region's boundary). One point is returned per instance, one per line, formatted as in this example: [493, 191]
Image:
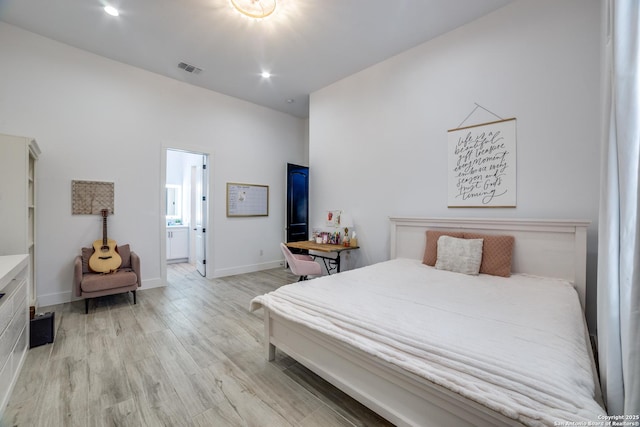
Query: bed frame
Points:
[551, 248]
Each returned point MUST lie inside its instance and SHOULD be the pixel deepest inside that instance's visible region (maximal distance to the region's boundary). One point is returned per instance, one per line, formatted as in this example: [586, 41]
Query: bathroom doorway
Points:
[186, 208]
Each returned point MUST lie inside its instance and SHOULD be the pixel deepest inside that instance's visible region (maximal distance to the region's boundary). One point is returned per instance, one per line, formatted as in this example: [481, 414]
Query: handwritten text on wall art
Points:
[482, 165]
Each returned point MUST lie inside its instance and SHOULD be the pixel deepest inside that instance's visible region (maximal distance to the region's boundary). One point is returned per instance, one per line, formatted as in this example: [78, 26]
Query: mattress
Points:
[516, 345]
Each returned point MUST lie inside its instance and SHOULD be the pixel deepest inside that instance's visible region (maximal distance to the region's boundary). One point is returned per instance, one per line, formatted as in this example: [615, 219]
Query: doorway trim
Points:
[175, 146]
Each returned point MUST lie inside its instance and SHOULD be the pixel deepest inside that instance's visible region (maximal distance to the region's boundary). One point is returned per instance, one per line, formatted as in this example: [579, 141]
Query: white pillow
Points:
[459, 255]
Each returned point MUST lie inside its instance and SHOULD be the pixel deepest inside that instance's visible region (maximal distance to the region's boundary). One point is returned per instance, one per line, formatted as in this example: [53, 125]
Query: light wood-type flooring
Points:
[188, 354]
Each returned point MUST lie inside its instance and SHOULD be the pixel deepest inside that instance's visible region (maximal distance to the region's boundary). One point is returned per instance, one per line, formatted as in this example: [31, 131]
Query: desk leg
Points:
[330, 263]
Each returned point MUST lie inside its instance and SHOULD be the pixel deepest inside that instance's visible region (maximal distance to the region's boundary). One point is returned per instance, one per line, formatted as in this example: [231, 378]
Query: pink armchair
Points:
[88, 284]
[301, 265]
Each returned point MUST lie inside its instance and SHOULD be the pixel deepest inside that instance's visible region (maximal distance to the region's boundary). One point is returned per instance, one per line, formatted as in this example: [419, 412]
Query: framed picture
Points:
[482, 165]
[247, 200]
[332, 218]
[90, 197]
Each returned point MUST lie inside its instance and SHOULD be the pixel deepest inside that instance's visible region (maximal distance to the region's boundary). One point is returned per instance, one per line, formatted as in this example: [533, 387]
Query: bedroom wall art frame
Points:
[481, 165]
[332, 218]
[90, 197]
[245, 200]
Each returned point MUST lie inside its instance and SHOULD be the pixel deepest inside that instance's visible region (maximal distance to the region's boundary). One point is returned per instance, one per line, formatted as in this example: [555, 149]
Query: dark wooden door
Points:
[297, 203]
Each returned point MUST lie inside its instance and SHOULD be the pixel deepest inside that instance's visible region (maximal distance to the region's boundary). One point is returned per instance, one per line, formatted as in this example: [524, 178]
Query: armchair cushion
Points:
[96, 282]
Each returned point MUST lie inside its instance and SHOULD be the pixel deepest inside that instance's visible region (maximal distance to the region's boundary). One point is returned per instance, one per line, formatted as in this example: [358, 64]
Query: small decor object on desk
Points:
[346, 241]
[346, 222]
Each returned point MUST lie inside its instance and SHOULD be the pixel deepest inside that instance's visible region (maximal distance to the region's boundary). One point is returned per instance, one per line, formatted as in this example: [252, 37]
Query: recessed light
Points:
[265, 74]
[256, 9]
[111, 10]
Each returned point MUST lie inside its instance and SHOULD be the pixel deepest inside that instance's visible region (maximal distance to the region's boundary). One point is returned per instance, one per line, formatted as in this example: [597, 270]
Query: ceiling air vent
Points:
[189, 68]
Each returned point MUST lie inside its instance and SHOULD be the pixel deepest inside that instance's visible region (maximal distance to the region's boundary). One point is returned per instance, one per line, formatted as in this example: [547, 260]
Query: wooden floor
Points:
[188, 354]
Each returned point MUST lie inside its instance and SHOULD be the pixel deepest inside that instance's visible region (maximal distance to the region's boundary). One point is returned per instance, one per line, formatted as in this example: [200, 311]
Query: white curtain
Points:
[619, 244]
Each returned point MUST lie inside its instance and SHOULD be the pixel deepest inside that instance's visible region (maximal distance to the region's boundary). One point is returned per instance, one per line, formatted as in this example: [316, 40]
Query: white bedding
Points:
[516, 345]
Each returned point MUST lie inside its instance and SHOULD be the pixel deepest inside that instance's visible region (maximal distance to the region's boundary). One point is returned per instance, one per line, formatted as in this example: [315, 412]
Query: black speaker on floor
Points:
[41, 329]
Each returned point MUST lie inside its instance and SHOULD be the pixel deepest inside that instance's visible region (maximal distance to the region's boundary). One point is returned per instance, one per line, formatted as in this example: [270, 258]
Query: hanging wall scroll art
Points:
[482, 165]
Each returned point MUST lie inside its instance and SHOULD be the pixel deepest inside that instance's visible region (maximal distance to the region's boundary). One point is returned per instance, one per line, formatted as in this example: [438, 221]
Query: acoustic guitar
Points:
[105, 258]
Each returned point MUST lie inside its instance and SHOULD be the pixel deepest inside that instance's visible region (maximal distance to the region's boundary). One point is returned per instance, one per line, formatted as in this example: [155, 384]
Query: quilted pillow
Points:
[431, 247]
[459, 255]
[497, 253]
[86, 254]
[125, 253]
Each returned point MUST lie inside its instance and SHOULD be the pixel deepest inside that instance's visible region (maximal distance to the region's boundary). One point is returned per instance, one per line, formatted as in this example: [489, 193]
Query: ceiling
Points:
[305, 45]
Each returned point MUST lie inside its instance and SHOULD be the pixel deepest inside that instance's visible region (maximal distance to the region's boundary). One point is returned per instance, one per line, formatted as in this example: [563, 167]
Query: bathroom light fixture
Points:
[256, 9]
[111, 10]
[265, 74]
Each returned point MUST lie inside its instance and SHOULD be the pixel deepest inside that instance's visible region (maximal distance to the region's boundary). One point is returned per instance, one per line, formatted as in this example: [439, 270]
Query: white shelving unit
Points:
[18, 178]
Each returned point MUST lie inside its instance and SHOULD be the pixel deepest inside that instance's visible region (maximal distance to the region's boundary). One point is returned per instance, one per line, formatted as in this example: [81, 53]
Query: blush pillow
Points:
[459, 255]
[86, 254]
[431, 247]
[125, 253]
[497, 253]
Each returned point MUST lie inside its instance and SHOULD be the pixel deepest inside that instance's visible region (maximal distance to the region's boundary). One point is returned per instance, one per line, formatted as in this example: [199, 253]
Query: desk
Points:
[329, 262]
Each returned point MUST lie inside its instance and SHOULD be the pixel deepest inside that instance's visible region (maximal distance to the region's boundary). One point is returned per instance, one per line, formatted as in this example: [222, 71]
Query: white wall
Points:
[378, 138]
[97, 119]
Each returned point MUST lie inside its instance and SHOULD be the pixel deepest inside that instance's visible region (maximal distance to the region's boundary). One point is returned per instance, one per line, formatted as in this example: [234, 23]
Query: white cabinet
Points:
[14, 321]
[178, 243]
[18, 159]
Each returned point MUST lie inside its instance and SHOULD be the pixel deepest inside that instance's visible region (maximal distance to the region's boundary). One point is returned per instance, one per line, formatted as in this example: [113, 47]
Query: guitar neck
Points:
[104, 231]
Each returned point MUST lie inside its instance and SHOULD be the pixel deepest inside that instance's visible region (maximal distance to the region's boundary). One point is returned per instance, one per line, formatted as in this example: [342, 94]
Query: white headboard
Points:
[550, 248]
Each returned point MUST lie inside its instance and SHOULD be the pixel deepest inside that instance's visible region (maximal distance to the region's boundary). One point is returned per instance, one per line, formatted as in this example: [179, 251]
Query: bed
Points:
[484, 351]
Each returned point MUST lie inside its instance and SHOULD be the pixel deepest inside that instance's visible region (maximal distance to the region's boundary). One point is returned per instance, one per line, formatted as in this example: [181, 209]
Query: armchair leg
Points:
[86, 306]
[134, 297]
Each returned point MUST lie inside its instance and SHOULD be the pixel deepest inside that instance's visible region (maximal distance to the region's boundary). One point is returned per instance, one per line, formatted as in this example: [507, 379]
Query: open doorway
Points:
[185, 208]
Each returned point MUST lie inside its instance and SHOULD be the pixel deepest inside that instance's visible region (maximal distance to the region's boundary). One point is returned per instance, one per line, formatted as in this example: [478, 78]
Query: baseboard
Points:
[54, 299]
[152, 283]
[223, 272]
[64, 297]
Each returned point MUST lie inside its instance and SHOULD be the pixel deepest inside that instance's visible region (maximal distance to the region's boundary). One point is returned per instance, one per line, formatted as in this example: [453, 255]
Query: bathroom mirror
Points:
[174, 197]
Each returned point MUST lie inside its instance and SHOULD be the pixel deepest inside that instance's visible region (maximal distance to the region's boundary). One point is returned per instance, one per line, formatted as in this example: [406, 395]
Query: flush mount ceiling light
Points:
[111, 10]
[256, 9]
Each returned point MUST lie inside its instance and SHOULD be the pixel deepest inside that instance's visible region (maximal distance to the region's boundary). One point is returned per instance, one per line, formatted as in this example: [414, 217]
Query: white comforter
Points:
[516, 345]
